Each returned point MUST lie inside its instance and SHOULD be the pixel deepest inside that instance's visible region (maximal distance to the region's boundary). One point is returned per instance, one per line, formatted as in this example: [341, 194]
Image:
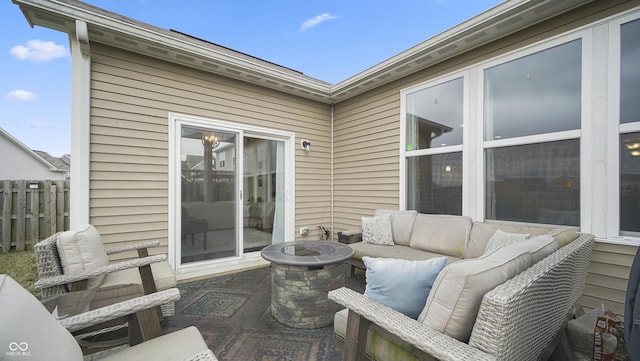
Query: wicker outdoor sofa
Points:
[520, 319]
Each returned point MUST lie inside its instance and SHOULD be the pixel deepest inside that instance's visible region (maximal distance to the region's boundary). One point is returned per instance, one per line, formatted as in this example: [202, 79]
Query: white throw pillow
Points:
[377, 230]
[400, 284]
[454, 301]
[501, 239]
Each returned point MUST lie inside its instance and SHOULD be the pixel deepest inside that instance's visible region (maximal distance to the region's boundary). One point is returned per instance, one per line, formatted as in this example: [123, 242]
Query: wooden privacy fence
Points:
[31, 211]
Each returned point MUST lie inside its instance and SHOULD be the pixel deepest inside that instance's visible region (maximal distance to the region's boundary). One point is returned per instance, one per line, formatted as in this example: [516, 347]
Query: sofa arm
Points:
[81, 276]
[133, 247]
[431, 342]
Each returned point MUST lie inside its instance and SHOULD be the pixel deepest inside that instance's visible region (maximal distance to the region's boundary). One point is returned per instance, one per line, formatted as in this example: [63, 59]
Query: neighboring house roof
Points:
[126, 33]
[63, 163]
[54, 164]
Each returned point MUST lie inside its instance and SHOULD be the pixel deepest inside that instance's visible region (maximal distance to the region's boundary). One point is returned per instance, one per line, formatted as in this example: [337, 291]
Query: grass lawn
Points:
[21, 266]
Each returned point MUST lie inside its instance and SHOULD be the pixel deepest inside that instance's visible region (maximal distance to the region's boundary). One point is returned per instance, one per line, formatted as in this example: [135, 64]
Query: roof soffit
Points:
[121, 32]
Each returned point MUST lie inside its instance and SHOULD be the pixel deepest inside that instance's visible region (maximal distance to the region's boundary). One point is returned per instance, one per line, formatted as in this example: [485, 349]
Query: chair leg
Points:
[144, 326]
[356, 338]
[146, 275]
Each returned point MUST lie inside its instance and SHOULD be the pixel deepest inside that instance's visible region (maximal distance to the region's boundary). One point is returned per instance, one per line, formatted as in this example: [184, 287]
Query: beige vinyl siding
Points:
[608, 276]
[367, 130]
[131, 96]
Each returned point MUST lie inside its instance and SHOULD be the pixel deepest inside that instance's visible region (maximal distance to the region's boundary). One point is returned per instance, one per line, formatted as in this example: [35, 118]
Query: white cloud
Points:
[21, 95]
[316, 21]
[39, 51]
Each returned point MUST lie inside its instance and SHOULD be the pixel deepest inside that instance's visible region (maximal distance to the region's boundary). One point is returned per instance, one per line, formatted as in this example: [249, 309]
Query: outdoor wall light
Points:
[305, 144]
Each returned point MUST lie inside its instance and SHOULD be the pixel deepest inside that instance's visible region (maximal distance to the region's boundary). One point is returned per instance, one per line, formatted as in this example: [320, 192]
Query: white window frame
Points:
[536, 138]
[176, 120]
[615, 130]
[404, 154]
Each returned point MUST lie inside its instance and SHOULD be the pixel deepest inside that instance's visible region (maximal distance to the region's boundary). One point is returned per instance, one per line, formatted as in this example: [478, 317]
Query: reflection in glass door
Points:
[208, 189]
[263, 189]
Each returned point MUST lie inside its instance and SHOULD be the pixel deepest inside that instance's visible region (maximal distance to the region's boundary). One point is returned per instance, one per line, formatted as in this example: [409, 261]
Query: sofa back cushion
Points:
[454, 300]
[401, 224]
[444, 234]
[482, 232]
[538, 247]
[80, 249]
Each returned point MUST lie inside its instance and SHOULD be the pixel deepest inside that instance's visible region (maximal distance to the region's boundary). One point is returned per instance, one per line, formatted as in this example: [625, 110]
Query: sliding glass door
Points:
[263, 183]
[231, 191]
[208, 185]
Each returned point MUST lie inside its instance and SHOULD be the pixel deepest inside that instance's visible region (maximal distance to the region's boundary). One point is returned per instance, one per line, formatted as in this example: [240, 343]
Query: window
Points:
[527, 102]
[537, 183]
[536, 94]
[630, 116]
[434, 120]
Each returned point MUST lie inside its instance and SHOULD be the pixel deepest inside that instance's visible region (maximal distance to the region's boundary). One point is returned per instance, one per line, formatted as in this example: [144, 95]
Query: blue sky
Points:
[330, 40]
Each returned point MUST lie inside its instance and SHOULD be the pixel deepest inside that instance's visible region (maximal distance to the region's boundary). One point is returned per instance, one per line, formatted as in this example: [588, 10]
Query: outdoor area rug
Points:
[233, 314]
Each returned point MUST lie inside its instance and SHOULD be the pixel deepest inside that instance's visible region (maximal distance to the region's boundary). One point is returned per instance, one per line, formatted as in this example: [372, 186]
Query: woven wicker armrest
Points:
[431, 342]
[133, 247]
[69, 278]
[119, 309]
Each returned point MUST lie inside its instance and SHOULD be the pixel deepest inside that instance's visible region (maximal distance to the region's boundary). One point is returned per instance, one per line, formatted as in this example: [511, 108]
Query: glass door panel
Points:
[208, 188]
[263, 190]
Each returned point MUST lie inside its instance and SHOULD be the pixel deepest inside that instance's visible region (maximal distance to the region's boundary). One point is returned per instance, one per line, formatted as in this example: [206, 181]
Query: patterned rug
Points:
[233, 314]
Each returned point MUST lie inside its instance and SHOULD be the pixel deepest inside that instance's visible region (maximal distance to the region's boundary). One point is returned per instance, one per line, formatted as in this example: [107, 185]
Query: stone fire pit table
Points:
[302, 274]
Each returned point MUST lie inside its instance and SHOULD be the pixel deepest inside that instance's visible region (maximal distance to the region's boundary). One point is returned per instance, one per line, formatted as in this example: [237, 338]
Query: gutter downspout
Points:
[80, 124]
[331, 175]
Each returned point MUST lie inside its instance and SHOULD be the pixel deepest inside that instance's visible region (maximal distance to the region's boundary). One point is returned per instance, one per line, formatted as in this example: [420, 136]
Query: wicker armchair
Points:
[522, 319]
[31, 332]
[86, 273]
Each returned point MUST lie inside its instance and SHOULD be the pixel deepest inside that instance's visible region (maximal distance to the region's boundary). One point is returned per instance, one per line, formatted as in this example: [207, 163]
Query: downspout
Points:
[80, 132]
[331, 175]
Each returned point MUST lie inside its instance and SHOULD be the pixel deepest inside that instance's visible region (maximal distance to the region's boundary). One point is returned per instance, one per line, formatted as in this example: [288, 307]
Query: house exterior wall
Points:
[17, 164]
[131, 96]
[366, 144]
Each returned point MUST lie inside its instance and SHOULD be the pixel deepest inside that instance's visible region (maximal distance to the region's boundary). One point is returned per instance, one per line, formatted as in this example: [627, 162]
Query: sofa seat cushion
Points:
[401, 224]
[400, 252]
[444, 234]
[454, 301]
[381, 345]
[162, 274]
[400, 284]
[81, 249]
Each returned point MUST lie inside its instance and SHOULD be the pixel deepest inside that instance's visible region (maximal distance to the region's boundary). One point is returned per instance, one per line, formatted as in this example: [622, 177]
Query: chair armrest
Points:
[119, 309]
[431, 342]
[133, 247]
[65, 279]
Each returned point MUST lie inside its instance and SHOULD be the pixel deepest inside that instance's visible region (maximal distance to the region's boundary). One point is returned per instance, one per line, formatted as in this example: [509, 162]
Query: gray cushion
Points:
[401, 224]
[81, 249]
[178, 345]
[28, 327]
[400, 252]
[162, 274]
[456, 295]
[444, 234]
